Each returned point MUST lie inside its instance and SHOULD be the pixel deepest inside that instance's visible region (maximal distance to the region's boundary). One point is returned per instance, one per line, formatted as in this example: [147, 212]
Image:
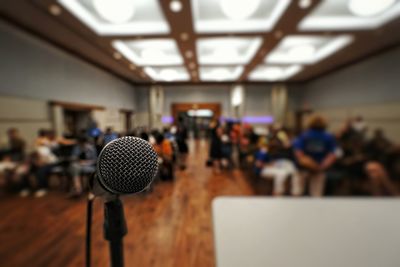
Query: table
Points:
[306, 232]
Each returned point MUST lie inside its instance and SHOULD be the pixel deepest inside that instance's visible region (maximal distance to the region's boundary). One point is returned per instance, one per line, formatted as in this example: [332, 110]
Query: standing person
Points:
[216, 146]
[181, 141]
[163, 148]
[315, 153]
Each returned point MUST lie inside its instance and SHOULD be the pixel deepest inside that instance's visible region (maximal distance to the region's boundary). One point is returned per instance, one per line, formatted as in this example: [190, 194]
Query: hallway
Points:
[171, 226]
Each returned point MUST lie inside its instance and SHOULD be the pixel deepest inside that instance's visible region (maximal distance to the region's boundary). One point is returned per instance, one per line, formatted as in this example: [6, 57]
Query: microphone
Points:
[126, 165]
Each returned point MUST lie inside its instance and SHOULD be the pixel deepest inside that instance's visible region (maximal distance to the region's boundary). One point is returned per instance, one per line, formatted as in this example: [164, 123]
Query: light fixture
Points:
[175, 6]
[274, 72]
[304, 4]
[350, 15]
[169, 74]
[184, 36]
[132, 67]
[306, 49]
[116, 11]
[368, 8]
[150, 52]
[119, 17]
[189, 54]
[117, 55]
[55, 10]
[220, 73]
[237, 16]
[302, 51]
[227, 50]
[239, 9]
[192, 65]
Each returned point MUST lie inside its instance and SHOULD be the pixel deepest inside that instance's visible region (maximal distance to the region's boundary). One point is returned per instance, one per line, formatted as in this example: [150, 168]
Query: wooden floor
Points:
[171, 226]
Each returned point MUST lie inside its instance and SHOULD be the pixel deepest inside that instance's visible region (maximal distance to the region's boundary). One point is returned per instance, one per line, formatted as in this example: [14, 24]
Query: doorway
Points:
[196, 116]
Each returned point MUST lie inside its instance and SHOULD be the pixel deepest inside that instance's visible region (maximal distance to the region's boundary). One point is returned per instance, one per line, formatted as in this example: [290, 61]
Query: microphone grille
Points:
[127, 165]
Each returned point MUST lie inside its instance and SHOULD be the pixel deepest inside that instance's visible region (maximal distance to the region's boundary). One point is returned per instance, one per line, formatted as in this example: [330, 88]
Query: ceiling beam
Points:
[181, 25]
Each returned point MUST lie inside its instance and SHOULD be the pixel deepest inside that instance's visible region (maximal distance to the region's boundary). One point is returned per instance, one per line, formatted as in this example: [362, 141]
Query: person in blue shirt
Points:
[109, 136]
[83, 161]
[315, 154]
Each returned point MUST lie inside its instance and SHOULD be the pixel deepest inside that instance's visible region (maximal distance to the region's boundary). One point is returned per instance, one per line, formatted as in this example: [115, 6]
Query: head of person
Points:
[318, 123]
[159, 138]
[13, 133]
[144, 135]
[109, 130]
[42, 133]
[379, 134]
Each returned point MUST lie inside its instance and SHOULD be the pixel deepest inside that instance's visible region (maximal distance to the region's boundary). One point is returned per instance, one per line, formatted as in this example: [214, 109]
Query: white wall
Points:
[32, 73]
[31, 68]
[369, 88]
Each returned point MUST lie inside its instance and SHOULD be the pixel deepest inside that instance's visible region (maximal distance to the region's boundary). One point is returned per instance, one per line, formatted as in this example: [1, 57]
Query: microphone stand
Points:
[115, 229]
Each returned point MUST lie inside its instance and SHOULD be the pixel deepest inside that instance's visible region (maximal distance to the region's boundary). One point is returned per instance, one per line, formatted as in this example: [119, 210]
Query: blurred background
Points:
[294, 98]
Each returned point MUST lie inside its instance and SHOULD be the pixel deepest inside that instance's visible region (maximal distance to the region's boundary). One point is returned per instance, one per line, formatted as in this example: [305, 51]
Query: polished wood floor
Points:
[171, 226]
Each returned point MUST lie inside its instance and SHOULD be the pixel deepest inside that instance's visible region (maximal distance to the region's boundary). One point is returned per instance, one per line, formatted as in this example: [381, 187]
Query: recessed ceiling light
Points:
[132, 67]
[349, 15]
[192, 65]
[117, 56]
[169, 75]
[119, 17]
[55, 10]
[150, 52]
[302, 51]
[239, 9]
[184, 36]
[274, 72]
[237, 16]
[368, 8]
[220, 73]
[189, 54]
[305, 3]
[306, 49]
[227, 50]
[175, 6]
[278, 34]
[116, 11]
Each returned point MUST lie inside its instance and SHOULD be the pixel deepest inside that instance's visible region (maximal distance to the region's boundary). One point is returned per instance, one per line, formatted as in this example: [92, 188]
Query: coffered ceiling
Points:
[202, 41]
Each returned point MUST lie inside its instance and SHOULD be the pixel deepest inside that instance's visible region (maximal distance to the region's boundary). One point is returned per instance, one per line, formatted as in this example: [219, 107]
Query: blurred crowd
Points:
[314, 162]
[73, 160]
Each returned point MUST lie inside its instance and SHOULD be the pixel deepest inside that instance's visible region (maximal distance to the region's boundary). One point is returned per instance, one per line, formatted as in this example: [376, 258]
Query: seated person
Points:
[164, 151]
[382, 166]
[315, 153]
[84, 158]
[40, 164]
[274, 162]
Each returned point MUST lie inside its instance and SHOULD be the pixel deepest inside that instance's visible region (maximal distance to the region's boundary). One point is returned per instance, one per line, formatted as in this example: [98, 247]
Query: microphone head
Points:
[127, 165]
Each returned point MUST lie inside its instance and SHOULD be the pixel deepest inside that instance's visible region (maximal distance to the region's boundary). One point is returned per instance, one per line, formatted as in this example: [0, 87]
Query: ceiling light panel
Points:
[216, 16]
[119, 17]
[351, 15]
[150, 52]
[274, 72]
[306, 49]
[220, 73]
[227, 50]
[167, 74]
